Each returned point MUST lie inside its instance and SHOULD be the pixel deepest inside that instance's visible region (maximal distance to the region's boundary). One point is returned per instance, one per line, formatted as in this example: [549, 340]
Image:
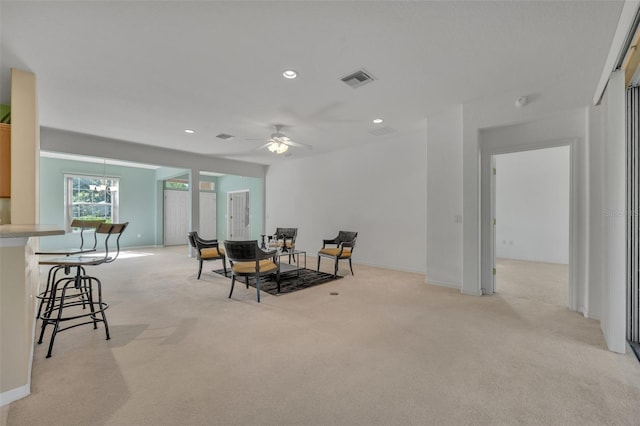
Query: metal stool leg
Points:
[233, 282]
[89, 289]
[56, 324]
[45, 294]
[102, 306]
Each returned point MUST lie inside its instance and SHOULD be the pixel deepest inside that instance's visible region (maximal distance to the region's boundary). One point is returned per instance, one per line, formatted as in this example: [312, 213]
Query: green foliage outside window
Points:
[92, 198]
[176, 184]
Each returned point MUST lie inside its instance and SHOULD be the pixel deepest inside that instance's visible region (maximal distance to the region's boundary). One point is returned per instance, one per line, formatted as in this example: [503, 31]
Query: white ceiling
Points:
[145, 71]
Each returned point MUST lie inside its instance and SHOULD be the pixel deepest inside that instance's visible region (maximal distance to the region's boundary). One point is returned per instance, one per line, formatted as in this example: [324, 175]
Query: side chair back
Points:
[111, 233]
[249, 260]
[111, 230]
[285, 237]
[83, 225]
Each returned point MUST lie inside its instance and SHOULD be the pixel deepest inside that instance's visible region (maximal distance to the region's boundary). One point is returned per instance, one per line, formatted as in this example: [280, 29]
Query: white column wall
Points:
[444, 198]
[596, 201]
[613, 322]
[377, 189]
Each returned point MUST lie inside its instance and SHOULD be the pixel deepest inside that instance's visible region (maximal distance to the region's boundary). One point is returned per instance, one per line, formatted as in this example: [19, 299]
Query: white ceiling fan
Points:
[279, 143]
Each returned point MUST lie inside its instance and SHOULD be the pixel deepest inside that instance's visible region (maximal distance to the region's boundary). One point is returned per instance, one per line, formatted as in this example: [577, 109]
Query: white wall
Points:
[444, 198]
[377, 189]
[596, 202]
[613, 322]
[532, 205]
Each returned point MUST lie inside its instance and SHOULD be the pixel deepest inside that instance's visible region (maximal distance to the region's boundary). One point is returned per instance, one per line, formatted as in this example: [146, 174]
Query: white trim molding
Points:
[486, 264]
[457, 286]
[14, 394]
[625, 26]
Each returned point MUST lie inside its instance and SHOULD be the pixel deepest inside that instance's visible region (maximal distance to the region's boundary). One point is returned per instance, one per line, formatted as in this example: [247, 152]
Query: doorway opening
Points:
[531, 231]
[493, 248]
[208, 205]
[239, 223]
[176, 216]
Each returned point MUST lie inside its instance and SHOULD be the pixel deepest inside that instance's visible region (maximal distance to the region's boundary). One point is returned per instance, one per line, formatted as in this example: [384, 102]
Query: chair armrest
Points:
[267, 254]
[345, 244]
[331, 241]
[203, 241]
[200, 243]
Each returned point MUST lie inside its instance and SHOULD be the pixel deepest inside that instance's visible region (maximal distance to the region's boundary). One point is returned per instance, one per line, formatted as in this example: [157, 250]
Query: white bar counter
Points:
[19, 280]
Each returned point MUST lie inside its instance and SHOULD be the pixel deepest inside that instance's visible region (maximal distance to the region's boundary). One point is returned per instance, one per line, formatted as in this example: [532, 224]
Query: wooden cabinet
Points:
[5, 161]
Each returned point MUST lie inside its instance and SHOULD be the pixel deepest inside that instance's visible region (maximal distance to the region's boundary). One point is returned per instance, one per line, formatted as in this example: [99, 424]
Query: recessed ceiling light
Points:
[190, 131]
[378, 120]
[290, 74]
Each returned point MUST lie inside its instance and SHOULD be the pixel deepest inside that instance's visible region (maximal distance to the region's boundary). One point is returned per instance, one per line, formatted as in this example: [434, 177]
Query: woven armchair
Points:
[249, 260]
[344, 244]
[206, 250]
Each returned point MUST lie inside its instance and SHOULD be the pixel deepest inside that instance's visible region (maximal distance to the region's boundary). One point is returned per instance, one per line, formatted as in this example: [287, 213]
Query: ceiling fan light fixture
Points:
[278, 147]
[290, 74]
[276, 137]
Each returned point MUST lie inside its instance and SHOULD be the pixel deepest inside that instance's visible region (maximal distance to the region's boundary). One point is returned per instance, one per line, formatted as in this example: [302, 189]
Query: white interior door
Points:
[238, 218]
[207, 227]
[176, 217]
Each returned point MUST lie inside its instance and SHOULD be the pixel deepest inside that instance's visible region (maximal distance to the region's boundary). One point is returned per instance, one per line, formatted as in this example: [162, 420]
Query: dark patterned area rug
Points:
[289, 281]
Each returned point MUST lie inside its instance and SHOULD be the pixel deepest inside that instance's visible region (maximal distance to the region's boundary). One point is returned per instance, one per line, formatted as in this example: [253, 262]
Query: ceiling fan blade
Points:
[262, 146]
[297, 144]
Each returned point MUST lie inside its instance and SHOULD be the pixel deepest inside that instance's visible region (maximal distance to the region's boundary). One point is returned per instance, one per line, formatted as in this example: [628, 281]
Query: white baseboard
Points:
[378, 265]
[457, 286]
[468, 293]
[588, 314]
[13, 395]
[141, 247]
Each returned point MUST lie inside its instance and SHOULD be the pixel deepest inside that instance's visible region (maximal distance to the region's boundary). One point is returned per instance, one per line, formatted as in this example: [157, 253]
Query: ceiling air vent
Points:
[358, 78]
[224, 136]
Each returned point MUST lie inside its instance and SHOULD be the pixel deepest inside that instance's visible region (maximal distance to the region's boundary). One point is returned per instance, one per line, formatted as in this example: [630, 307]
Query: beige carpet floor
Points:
[536, 281]
[387, 350]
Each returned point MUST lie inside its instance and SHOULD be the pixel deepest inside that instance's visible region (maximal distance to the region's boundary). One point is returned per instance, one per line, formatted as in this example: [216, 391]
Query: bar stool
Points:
[69, 293]
[83, 225]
